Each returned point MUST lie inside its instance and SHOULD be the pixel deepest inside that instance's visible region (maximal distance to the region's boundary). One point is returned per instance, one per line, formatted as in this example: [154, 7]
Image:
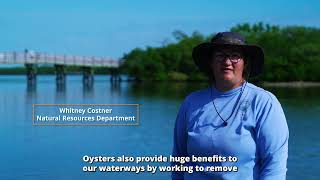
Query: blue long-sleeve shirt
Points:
[257, 134]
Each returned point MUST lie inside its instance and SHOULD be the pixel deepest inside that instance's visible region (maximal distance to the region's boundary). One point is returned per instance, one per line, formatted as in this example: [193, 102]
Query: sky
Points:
[112, 28]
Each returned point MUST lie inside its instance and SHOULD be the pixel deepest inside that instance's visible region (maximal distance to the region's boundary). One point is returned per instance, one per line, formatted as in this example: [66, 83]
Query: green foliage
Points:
[291, 54]
[172, 61]
[177, 76]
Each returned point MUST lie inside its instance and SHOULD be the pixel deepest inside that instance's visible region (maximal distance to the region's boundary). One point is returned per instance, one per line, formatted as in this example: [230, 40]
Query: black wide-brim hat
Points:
[202, 53]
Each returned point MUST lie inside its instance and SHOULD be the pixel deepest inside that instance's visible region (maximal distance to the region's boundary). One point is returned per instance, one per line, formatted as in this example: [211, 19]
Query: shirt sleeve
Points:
[180, 140]
[272, 136]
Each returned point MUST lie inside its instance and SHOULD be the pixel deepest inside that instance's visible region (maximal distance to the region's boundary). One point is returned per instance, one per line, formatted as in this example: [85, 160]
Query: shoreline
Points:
[296, 84]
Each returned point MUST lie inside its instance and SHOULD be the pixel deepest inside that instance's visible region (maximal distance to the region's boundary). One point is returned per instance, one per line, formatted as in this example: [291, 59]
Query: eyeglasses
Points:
[233, 57]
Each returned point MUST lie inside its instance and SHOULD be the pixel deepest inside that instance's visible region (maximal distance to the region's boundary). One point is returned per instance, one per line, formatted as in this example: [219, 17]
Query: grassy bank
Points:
[291, 84]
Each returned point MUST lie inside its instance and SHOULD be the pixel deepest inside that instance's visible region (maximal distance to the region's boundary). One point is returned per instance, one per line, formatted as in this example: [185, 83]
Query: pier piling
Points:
[60, 74]
[31, 73]
[88, 73]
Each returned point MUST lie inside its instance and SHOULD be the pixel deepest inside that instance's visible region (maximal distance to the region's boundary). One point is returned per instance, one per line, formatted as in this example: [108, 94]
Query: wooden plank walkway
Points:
[68, 60]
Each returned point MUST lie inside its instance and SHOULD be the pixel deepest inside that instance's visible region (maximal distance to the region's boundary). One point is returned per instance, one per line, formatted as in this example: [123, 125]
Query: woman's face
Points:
[228, 65]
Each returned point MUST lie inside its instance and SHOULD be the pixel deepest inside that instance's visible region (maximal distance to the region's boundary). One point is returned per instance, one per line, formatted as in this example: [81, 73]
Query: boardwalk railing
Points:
[45, 58]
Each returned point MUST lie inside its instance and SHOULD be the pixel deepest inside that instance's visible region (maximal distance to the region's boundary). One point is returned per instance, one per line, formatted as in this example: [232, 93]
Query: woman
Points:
[232, 118]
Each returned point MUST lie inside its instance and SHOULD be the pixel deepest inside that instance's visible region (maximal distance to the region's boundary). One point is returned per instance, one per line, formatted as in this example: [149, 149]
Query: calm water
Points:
[36, 152]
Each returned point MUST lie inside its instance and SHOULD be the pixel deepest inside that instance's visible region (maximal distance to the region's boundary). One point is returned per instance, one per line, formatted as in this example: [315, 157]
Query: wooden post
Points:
[115, 77]
[88, 74]
[60, 77]
[60, 73]
[31, 73]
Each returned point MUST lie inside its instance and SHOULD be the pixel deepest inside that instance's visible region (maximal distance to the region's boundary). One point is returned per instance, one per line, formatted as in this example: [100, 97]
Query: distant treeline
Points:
[292, 53]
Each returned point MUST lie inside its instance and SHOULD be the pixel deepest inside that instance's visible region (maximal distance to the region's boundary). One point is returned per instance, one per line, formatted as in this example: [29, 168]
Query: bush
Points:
[177, 76]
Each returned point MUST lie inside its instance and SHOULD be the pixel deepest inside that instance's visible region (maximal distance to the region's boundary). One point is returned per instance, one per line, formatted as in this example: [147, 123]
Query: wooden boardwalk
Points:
[30, 57]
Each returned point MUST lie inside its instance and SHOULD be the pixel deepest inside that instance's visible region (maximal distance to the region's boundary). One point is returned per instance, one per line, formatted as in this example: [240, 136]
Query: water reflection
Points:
[308, 96]
[31, 89]
[31, 93]
[115, 88]
[159, 101]
[61, 87]
[88, 89]
[171, 90]
[178, 90]
[60, 91]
